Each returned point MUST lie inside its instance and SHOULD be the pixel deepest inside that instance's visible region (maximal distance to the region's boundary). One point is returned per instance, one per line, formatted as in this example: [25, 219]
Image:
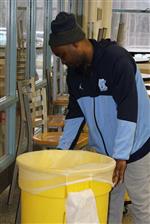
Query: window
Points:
[39, 38]
[7, 82]
[3, 36]
[3, 42]
[131, 24]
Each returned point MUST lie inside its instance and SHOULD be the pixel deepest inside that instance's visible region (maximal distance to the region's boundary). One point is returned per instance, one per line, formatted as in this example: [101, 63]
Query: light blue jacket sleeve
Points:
[124, 139]
[71, 133]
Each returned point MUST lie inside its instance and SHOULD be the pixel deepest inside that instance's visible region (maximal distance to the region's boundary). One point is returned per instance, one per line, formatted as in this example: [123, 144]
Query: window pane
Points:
[131, 29]
[21, 38]
[139, 30]
[3, 131]
[3, 43]
[128, 4]
[39, 38]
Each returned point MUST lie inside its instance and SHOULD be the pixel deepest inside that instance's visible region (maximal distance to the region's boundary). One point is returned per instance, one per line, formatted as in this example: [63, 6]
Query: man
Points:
[107, 92]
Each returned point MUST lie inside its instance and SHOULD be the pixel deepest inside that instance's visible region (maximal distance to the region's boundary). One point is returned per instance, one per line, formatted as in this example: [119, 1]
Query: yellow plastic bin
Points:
[46, 178]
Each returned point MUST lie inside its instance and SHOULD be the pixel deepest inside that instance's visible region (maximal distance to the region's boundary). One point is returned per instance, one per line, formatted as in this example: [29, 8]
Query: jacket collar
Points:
[99, 49]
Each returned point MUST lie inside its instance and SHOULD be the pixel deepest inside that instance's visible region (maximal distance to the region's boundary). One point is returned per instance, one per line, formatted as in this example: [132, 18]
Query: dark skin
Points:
[81, 53]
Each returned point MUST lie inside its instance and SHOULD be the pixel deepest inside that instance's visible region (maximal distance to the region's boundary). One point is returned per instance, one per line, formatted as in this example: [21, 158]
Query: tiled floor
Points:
[7, 213]
[127, 219]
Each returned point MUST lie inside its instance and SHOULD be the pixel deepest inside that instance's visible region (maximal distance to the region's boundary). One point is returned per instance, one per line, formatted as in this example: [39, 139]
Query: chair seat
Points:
[82, 141]
[85, 129]
[51, 139]
[47, 138]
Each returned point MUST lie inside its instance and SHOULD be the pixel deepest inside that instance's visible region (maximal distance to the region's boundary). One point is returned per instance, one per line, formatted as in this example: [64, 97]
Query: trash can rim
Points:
[106, 167]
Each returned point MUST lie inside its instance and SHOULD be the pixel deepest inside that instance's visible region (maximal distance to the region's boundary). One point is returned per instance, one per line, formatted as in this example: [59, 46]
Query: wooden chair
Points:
[36, 115]
[58, 103]
[35, 107]
[54, 121]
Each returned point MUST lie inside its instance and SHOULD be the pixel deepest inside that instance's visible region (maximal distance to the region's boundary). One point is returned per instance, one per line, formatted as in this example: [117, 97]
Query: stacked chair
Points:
[58, 103]
[146, 79]
[102, 33]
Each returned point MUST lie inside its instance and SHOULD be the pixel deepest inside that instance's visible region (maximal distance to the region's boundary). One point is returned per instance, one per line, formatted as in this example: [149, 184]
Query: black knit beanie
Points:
[65, 30]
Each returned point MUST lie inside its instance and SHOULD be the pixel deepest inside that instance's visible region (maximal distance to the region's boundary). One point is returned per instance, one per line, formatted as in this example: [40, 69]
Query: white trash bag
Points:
[81, 208]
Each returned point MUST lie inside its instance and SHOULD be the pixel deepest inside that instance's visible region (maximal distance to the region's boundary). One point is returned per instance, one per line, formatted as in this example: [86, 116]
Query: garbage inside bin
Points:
[47, 177]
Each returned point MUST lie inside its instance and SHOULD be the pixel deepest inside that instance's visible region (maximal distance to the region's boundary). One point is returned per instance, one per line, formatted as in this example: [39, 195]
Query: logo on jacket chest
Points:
[102, 85]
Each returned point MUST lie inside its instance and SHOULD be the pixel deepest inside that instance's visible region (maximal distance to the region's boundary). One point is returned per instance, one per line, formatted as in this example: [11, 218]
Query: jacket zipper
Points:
[99, 130]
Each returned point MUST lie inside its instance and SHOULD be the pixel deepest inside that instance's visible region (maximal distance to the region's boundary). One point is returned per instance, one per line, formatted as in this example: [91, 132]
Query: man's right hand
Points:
[119, 171]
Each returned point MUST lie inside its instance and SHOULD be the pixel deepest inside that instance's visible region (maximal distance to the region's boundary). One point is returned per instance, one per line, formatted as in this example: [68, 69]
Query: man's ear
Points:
[76, 44]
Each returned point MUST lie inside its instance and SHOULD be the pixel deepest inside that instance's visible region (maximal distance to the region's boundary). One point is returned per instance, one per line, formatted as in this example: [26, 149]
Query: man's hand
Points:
[119, 170]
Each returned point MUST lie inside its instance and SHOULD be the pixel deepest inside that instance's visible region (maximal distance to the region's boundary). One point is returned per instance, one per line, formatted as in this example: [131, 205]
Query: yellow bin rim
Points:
[84, 161]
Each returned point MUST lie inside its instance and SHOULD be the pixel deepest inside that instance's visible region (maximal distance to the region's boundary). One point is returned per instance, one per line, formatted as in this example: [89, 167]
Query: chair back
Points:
[102, 33]
[33, 103]
[36, 107]
[24, 87]
[33, 107]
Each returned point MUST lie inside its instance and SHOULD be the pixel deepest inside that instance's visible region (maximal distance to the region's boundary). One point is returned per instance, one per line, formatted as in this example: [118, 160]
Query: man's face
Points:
[70, 55]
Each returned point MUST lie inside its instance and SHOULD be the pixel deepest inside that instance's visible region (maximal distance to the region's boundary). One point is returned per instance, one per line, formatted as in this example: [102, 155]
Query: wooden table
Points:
[144, 67]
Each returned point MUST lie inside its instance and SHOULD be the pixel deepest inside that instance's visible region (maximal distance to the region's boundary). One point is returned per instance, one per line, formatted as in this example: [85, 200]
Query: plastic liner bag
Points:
[48, 169]
[81, 208]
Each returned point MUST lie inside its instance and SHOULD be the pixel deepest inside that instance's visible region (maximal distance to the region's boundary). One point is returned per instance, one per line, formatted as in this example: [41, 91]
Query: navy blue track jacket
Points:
[110, 96]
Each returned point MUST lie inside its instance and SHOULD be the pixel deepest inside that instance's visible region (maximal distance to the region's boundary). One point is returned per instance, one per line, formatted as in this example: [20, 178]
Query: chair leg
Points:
[18, 212]
[15, 173]
[13, 185]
